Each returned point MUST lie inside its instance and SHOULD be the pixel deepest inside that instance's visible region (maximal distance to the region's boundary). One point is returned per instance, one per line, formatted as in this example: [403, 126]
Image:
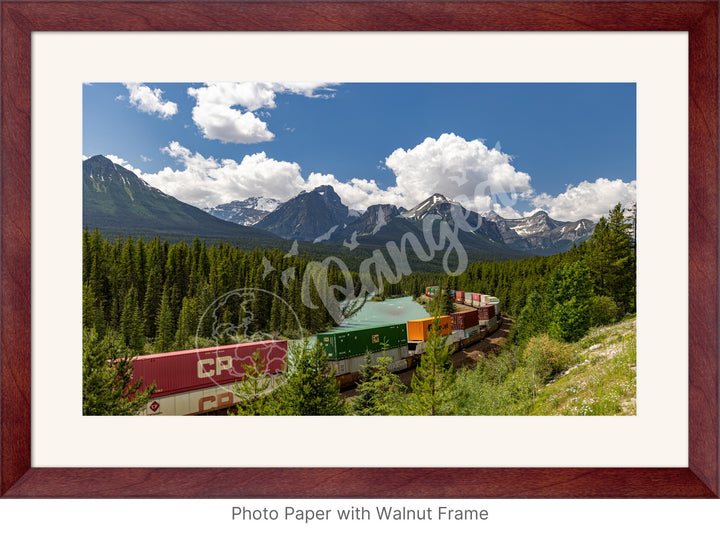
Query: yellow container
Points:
[418, 330]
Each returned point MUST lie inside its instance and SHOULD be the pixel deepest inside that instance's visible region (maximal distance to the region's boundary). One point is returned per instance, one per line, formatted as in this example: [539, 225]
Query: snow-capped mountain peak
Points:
[247, 212]
[427, 206]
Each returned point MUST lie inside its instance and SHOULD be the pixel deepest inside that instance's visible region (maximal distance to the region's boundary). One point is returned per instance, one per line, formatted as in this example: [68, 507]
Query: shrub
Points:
[603, 310]
[547, 357]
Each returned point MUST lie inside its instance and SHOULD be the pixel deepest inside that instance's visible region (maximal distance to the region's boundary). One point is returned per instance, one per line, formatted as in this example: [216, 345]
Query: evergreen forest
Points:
[142, 297]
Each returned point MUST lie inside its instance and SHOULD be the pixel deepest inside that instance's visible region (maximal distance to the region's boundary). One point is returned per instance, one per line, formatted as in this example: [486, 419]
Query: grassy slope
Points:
[602, 382]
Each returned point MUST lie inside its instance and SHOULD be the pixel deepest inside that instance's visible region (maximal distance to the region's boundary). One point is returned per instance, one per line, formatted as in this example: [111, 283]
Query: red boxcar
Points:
[459, 296]
[485, 312]
[476, 297]
[464, 320]
[180, 371]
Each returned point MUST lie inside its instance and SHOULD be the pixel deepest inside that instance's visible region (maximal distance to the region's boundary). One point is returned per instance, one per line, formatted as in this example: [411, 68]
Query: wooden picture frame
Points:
[19, 479]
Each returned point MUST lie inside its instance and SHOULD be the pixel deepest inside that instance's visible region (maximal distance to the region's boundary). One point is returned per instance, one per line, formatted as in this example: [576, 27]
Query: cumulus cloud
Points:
[588, 200]
[466, 171]
[216, 114]
[205, 181]
[358, 193]
[150, 100]
[508, 212]
[121, 161]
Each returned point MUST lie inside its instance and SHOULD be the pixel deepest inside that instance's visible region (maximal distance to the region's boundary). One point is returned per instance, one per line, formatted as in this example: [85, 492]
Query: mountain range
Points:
[118, 202]
[320, 216]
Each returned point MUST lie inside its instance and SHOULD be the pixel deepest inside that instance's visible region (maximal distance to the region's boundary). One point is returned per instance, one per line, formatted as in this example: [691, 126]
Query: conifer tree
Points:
[310, 387]
[568, 299]
[92, 312]
[611, 257]
[165, 324]
[432, 384]
[151, 303]
[130, 322]
[108, 386]
[533, 320]
[380, 392]
[187, 323]
[254, 390]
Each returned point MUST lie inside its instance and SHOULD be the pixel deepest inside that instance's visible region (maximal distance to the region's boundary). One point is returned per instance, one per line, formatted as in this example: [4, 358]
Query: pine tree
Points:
[533, 320]
[447, 305]
[165, 324]
[92, 311]
[254, 390]
[187, 323]
[130, 322]
[310, 387]
[151, 303]
[568, 299]
[433, 382]
[611, 257]
[380, 392]
[108, 386]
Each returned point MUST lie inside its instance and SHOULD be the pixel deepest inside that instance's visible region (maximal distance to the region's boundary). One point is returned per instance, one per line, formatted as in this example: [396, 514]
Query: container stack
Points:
[485, 312]
[496, 303]
[200, 380]
[418, 330]
[432, 291]
[459, 296]
[464, 320]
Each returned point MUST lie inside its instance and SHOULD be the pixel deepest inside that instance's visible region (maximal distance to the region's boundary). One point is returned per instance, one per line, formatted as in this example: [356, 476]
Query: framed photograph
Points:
[58, 57]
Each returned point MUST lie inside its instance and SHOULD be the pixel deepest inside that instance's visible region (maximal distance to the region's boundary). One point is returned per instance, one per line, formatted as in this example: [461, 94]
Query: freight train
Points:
[200, 381]
[404, 343]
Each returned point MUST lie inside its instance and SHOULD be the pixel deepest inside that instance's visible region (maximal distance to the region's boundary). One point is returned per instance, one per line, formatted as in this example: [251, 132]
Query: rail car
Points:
[198, 381]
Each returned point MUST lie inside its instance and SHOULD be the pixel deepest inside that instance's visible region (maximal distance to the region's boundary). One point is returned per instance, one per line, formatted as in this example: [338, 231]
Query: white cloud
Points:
[216, 115]
[208, 182]
[150, 100]
[507, 212]
[120, 161]
[358, 193]
[466, 171]
[588, 200]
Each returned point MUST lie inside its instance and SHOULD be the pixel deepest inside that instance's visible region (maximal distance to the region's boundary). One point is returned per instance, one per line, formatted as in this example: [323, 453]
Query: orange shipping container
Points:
[418, 330]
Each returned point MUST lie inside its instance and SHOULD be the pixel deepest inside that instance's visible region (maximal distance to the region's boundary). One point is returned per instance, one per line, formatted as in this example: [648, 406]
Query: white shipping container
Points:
[196, 401]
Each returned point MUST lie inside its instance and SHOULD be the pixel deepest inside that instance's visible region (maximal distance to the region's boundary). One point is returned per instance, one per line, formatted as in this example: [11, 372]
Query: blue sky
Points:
[568, 149]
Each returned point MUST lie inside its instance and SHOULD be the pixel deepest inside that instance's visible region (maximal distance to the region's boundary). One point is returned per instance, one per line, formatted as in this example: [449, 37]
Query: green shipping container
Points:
[344, 344]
